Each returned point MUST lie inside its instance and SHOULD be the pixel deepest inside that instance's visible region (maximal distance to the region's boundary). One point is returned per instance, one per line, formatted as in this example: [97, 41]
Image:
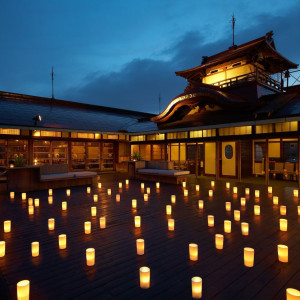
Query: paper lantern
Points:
[212, 183]
[227, 185]
[137, 221]
[171, 224]
[62, 241]
[298, 210]
[133, 203]
[99, 185]
[227, 226]
[108, 192]
[237, 215]
[184, 184]
[245, 228]
[292, 294]
[247, 191]
[87, 227]
[23, 196]
[118, 197]
[36, 202]
[295, 192]
[157, 185]
[228, 206]
[210, 221]
[173, 199]
[168, 209]
[140, 247]
[51, 224]
[90, 256]
[2, 248]
[275, 200]
[64, 205]
[50, 192]
[144, 277]
[235, 190]
[283, 224]
[146, 197]
[142, 186]
[257, 193]
[30, 209]
[88, 190]
[30, 201]
[197, 187]
[35, 249]
[148, 190]
[210, 193]
[94, 211]
[257, 210]
[185, 193]
[193, 251]
[219, 241]
[248, 257]
[196, 287]
[68, 191]
[7, 226]
[12, 195]
[50, 200]
[270, 189]
[283, 210]
[102, 221]
[283, 253]
[120, 185]
[243, 201]
[23, 288]
[200, 204]
[95, 197]
[127, 181]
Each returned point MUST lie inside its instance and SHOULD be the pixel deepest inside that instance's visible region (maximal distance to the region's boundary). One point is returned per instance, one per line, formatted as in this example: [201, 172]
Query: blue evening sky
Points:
[124, 53]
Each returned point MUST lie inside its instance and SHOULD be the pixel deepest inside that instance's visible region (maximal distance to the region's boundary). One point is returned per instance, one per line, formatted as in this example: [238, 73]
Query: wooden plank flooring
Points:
[63, 274]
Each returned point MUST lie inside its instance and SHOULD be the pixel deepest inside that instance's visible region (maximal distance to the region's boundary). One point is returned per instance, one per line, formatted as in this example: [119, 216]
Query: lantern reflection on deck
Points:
[118, 197]
[23, 196]
[283, 224]
[171, 224]
[148, 190]
[127, 181]
[35, 249]
[196, 287]
[193, 251]
[144, 277]
[219, 241]
[292, 294]
[212, 183]
[173, 199]
[283, 210]
[200, 204]
[248, 257]
[133, 203]
[140, 247]
[30, 201]
[64, 205]
[102, 221]
[87, 227]
[68, 191]
[184, 184]
[257, 193]
[23, 288]
[90, 256]
[228, 206]
[62, 241]
[50, 192]
[137, 221]
[120, 185]
[283, 253]
[210, 221]
[227, 226]
[7, 226]
[142, 185]
[2, 248]
[51, 224]
[245, 228]
[237, 215]
[257, 210]
[275, 200]
[168, 209]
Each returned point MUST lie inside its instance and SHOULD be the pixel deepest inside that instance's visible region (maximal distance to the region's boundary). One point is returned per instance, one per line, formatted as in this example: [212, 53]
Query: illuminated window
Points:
[156, 137]
[286, 126]
[9, 131]
[112, 136]
[196, 134]
[36, 133]
[97, 136]
[51, 133]
[138, 138]
[267, 128]
[83, 135]
[241, 130]
[65, 134]
[177, 135]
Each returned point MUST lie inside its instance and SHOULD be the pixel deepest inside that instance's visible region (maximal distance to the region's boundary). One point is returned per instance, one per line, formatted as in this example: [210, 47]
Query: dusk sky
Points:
[124, 53]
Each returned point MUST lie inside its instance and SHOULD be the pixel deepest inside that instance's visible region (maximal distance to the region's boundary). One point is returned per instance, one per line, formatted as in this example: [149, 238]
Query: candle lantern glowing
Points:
[88, 190]
[23, 196]
[30, 201]
[120, 185]
[148, 190]
[295, 192]
[247, 191]
[137, 221]
[62, 241]
[283, 253]
[219, 241]
[95, 198]
[68, 191]
[248, 257]
[228, 206]
[283, 210]
[133, 203]
[118, 197]
[127, 181]
[292, 294]
[237, 215]
[102, 221]
[90, 256]
[145, 197]
[144, 277]
[200, 204]
[243, 201]
[64, 205]
[87, 227]
[227, 226]
[7, 226]
[283, 224]
[257, 193]
[168, 209]
[270, 189]
[157, 185]
[193, 251]
[245, 228]
[23, 288]
[36, 202]
[212, 183]
[210, 221]
[140, 247]
[235, 190]
[173, 199]
[50, 200]
[171, 224]
[185, 193]
[2, 248]
[94, 211]
[275, 200]
[51, 224]
[35, 249]
[50, 192]
[227, 185]
[30, 209]
[142, 186]
[196, 287]
[108, 192]
[12, 195]
[257, 210]
[99, 185]
[197, 187]
[184, 184]
[210, 193]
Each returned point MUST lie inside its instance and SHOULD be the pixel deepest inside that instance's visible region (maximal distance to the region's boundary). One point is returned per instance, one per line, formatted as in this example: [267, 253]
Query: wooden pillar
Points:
[69, 155]
[197, 160]
[298, 162]
[239, 160]
[217, 160]
[267, 162]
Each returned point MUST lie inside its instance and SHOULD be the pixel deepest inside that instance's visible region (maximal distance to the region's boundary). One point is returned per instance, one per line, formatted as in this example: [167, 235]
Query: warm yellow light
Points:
[23, 196]
[245, 228]
[137, 221]
[142, 185]
[127, 181]
[146, 197]
[243, 201]
[270, 189]
[257, 193]
[99, 185]
[30, 209]
[283, 210]
[193, 251]
[108, 192]
[144, 277]
[118, 197]
[210, 221]
[295, 192]
[140, 247]
[235, 190]
[36, 202]
[196, 287]
[173, 199]
[50, 200]
[90, 256]
[200, 204]
[168, 209]
[148, 190]
[185, 193]
[50, 192]
[133, 203]
[157, 185]
[35, 249]
[219, 241]
[292, 294]
[102, 221]
[257, 210]
[12, 195]
[247, 191]
[298, 210]
[64, 205]
[237, 215]
[275, 200]
[62, 241]
[227, 185]
[2, 248]
[184, 184]
[197, 187]
[120, 185]
[88, 190]
[7, 226]
[87, 227]
[283, 224]
[94, 211]
[227, 226]
[248, 257]
[283, 253]
[51, 224]
[228, 206]
[95, 198]
[210, 193]
[171, 224]
[68, 191]
[212, 183]
[23, 288]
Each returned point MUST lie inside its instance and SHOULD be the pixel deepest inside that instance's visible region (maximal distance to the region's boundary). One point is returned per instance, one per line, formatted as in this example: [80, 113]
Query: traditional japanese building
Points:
[237, 117]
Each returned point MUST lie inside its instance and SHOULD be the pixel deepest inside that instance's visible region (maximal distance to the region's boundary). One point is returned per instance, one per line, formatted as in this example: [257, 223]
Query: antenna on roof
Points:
[159, 103]
[52, 78]
[233, 20]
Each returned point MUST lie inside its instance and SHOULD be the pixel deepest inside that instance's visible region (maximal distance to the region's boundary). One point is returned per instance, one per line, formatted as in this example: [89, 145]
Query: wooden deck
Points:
[63, 274]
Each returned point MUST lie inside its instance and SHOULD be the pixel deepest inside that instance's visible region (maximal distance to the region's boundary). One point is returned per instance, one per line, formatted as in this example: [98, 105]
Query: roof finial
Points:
[52, 78]
[233, 24]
